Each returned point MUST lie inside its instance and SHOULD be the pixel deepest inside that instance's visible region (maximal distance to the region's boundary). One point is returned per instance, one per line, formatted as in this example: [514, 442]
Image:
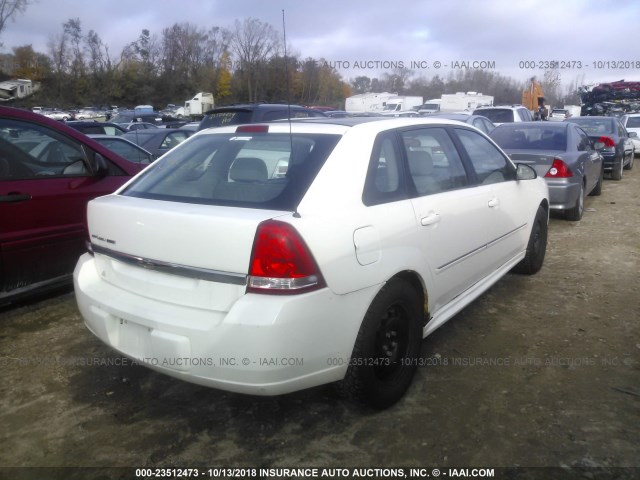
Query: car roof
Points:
[152, 131]
[461, 117]
[596, 118]
[336, 125]
[255, 106]
[545, 125]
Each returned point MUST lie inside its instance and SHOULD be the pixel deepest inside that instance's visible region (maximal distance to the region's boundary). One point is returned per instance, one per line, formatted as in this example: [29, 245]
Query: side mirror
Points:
[525, 172]
[99, 166]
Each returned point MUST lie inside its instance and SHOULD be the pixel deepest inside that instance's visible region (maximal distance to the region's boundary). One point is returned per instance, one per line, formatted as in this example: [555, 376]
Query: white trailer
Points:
[367, 102]
[464, 102]
[198, 105]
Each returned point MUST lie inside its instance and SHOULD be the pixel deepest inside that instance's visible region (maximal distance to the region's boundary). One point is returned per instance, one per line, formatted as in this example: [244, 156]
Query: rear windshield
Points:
[633, 122]
[594, 125]
[222, 119]
[255, 170]
[497, 115]
[530, 138]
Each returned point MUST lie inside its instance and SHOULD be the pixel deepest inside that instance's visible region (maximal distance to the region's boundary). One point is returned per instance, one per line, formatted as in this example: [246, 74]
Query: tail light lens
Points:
[281, 262]
[608, 141]
[559, 169]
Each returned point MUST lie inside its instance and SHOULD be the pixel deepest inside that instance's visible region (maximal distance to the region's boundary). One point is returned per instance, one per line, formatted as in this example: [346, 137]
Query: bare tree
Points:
[9, 9]
[551, 85]
[253, 43]
[73, 31]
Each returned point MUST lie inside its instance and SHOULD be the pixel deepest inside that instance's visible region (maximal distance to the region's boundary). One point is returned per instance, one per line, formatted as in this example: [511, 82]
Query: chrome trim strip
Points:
[483, 247]
[172, 268]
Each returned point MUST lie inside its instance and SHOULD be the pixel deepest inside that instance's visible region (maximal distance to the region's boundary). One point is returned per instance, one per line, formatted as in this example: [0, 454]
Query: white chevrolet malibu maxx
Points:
[265, 259]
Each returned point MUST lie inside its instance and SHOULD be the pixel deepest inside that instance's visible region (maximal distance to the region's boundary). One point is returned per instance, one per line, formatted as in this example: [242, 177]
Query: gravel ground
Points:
[540, 371]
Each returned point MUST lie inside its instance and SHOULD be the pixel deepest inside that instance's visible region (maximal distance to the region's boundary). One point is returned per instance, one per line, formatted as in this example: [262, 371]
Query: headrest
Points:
[248, 169]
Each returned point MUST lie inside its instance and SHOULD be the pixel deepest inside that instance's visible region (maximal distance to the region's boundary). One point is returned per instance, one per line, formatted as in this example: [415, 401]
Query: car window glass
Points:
[276, 115]
[173, 139]
[633, 122]
[479, 124]
[523, 115]
[497, 115]
[621, 130]
[32, 151]
[434, 163]
[125, 150]
[220, 119]
[384, 179]
[271, 171]
[584, 143]
[488, 126]
[489, 163]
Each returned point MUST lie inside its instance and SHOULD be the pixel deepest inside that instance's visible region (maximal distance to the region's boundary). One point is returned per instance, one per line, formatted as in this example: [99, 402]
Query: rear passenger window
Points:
[489, 163]
[434, 163]
[384, 178]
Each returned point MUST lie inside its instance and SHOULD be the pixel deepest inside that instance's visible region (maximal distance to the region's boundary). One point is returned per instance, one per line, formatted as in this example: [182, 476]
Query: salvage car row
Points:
[348, 239]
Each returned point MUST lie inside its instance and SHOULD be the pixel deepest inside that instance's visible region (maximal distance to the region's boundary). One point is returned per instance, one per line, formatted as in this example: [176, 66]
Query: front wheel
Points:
[387, 347]
[537, 246]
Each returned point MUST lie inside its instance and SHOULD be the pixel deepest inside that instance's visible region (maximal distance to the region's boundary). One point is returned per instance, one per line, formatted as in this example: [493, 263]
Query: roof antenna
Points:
[286, 73]
[286, 63]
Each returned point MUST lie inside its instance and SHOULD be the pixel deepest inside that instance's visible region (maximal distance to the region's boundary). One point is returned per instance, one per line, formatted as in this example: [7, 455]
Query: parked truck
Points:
[198, 105]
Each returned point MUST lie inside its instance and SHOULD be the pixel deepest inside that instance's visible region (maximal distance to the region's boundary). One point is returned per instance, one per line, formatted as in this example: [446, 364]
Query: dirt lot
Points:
[540, 371]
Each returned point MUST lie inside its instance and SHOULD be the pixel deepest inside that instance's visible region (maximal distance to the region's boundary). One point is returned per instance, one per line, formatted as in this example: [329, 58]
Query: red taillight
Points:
[281, 261]
[559, 169]
[608, 141]
[252, 129]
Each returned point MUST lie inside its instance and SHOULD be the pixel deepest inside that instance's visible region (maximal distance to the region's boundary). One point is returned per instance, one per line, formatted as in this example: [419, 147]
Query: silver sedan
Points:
[562, 153]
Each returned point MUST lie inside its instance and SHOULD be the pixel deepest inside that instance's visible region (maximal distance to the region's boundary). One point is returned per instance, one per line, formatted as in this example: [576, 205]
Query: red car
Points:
[48, 173]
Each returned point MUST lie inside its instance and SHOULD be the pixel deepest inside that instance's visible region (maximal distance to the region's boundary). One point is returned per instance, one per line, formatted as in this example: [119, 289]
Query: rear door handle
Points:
[14, 197]
[494, 202]
[430, 219]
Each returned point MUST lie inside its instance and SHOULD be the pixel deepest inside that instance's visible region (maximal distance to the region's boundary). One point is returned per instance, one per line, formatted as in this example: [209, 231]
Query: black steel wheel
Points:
[387, 347]
[537, 246]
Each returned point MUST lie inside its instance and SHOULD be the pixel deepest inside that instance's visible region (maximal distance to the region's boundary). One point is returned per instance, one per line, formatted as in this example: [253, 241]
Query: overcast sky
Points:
[357, 34]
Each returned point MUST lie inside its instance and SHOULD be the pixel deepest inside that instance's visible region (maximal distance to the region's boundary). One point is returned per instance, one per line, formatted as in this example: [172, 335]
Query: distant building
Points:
[19, 88]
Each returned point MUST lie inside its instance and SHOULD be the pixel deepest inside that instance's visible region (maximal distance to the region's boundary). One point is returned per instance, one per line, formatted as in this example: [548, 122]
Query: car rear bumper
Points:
[610, 161]
[263, 344]
[563, 194]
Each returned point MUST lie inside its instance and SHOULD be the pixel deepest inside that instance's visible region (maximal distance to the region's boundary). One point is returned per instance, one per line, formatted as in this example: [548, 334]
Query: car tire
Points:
[537, 245]
[597, 190]
[385, 354]
[616, 173]
[575, 213]
[629, 165]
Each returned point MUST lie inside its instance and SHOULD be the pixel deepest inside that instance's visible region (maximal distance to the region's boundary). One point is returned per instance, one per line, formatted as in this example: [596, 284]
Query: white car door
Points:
[505, 223]
[451, 214]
